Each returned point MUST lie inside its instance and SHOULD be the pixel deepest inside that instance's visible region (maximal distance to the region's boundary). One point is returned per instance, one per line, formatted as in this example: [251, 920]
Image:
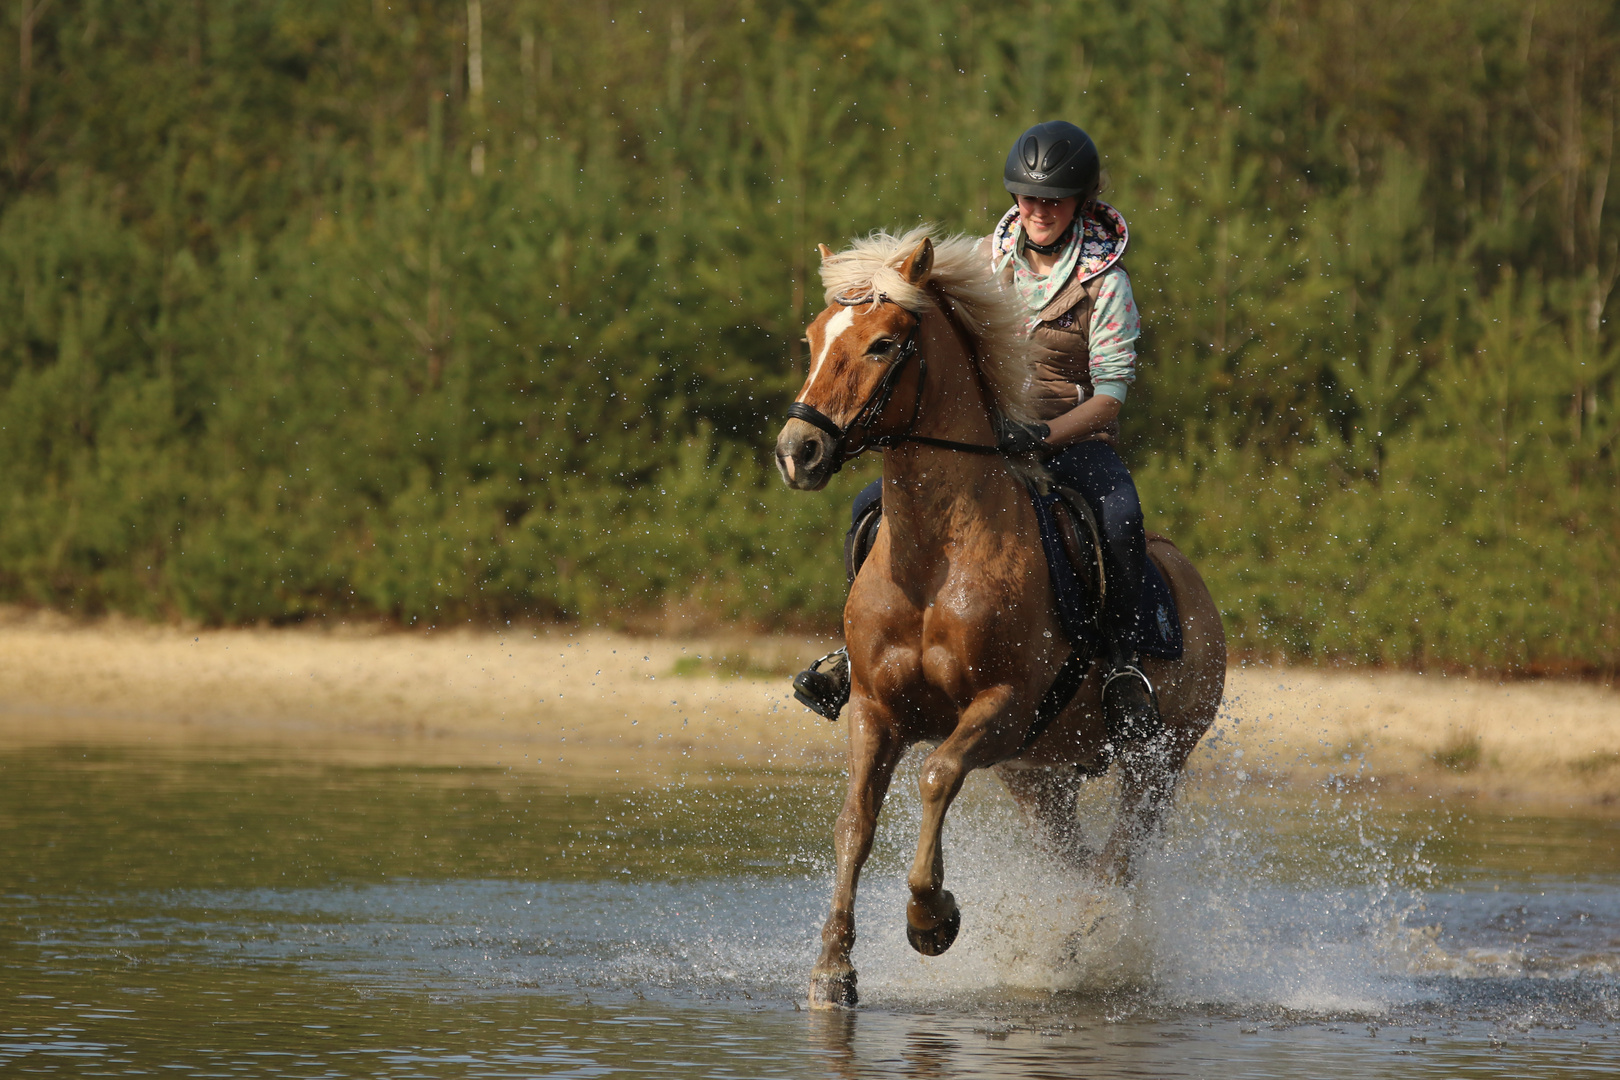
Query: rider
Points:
[1059, 248]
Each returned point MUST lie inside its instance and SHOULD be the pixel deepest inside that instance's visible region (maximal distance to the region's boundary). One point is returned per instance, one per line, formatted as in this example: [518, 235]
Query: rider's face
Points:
[1045, 219]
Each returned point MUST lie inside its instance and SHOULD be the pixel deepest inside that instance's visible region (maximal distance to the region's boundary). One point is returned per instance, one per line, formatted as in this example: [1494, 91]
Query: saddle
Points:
[1073, 546]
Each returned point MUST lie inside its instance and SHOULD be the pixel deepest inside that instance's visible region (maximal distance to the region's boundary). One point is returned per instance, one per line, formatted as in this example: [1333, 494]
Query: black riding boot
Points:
[825, 692]
[1130, 706]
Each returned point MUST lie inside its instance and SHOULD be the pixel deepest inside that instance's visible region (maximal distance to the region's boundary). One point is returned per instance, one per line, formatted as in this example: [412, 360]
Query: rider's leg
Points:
[870, 496]
[823, 687]
[1095, 470]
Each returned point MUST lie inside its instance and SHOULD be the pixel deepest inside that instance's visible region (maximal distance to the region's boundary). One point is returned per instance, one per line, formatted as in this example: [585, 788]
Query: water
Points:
[264, 916]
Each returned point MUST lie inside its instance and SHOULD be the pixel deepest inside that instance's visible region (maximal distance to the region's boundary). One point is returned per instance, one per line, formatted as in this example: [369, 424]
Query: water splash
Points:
[1206, 923]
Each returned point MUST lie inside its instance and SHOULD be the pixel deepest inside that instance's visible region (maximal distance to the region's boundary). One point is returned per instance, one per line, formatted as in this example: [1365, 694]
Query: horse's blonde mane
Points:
[993, 318]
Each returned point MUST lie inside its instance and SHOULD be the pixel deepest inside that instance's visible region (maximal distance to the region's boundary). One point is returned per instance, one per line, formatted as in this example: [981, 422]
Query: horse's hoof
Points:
[935, 941]
[835, 990]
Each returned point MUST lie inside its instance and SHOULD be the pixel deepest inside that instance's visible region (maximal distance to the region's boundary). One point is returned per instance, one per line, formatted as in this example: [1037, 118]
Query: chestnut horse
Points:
[952, 631]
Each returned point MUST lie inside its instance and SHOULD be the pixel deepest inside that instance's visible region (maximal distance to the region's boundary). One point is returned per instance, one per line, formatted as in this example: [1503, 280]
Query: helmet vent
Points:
[1032, 153]
[1055, 156]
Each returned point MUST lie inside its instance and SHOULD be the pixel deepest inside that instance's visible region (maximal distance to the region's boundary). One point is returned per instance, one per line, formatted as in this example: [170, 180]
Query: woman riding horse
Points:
[1060, 247]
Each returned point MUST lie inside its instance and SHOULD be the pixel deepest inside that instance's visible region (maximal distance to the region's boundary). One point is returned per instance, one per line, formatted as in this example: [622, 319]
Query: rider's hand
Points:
[1014, 437]
[1108, 434]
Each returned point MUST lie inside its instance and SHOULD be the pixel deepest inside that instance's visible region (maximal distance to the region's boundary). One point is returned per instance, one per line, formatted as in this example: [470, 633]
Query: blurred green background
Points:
[462, 310]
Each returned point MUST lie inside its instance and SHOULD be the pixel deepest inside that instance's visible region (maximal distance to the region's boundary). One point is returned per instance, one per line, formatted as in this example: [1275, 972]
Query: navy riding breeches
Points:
[1095, 470]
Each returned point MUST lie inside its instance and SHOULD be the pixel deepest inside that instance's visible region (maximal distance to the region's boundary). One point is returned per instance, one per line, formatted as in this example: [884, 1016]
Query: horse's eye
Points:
[880, 346]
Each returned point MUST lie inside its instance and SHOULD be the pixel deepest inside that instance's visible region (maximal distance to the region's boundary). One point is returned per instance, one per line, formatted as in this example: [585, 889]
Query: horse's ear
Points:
[919, 262]
[826, 252]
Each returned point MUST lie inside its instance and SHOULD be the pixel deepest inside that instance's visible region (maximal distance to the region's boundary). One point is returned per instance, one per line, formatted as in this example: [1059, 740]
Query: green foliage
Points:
[310, 309]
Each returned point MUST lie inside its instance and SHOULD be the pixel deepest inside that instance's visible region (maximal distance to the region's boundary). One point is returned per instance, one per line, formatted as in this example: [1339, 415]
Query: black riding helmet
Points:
[1052, 161]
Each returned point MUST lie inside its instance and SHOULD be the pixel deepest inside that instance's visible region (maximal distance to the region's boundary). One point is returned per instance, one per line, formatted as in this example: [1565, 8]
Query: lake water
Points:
[265, 916]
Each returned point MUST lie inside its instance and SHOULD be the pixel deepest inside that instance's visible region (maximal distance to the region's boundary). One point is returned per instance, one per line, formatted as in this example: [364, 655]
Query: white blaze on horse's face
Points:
[835, 328]
[852, 349]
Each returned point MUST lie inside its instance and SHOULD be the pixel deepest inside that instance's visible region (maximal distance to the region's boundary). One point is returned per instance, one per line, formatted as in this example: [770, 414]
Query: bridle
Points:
[842, 449]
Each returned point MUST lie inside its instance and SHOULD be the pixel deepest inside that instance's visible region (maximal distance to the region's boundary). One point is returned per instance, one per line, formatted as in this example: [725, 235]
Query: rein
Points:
[878, 400]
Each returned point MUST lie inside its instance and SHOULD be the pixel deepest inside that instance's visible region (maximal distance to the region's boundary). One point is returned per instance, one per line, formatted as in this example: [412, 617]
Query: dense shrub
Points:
[323, 306]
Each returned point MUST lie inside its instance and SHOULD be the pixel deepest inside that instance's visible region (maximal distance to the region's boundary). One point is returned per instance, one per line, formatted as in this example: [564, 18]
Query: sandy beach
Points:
[569, 699]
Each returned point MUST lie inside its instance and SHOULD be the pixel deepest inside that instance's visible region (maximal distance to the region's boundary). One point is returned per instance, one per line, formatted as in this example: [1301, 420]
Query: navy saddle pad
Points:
[1158, 628]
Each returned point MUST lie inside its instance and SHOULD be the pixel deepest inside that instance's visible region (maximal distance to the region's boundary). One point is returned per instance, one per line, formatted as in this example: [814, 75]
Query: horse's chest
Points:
[948, 653]
[940, 633]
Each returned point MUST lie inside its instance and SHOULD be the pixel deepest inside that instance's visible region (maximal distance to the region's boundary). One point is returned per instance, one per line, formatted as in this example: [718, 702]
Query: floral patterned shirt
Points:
[1115, 326]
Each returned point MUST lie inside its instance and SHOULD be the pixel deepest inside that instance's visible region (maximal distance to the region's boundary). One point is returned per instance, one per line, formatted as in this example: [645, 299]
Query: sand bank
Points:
[536, 696]
[563, 699]
[1548, 743]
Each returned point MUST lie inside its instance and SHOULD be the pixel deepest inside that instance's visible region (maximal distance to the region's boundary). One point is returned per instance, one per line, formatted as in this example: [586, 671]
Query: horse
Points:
[951, 625]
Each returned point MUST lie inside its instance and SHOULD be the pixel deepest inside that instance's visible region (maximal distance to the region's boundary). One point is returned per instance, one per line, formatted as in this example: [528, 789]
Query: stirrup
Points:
[1131, 669]
[1125, 722]
[825, 693]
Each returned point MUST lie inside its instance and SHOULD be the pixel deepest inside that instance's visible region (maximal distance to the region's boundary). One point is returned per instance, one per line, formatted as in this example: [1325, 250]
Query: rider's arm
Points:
[1115, 326]
[1095, 418]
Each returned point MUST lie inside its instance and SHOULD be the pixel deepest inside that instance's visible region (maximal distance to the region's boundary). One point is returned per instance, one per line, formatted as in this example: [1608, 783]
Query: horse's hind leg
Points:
[874, 749]
[1047, 797]
[932, 917]
[1148, 775]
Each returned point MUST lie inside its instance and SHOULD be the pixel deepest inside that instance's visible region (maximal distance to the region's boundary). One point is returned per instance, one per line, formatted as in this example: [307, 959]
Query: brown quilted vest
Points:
[1064, 334]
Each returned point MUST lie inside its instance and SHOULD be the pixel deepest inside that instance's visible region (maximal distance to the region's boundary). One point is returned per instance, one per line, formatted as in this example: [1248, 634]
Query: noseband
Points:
[842, 450]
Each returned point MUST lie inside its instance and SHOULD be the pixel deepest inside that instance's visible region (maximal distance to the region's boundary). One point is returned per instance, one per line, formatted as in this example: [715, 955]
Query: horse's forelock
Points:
[993, 318]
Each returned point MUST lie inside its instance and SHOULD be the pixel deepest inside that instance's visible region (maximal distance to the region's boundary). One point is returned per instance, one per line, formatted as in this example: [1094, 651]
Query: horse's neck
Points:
[931, 494]
[955, 404]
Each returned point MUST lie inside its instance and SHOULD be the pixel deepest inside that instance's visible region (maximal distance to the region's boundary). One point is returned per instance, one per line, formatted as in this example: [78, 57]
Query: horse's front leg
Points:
[982, 737]
[874, 749]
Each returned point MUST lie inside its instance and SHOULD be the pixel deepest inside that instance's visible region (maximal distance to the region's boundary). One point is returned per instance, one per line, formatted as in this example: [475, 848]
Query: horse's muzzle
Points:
[804, 455]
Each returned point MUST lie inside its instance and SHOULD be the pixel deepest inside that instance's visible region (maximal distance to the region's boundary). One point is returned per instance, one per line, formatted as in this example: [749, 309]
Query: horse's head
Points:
[859, 347]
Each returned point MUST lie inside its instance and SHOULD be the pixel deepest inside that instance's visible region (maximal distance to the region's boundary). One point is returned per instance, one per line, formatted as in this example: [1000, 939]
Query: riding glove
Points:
[1016, 437]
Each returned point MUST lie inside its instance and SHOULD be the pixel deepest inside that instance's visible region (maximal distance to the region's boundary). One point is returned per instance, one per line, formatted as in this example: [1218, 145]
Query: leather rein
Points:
[842, 451]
